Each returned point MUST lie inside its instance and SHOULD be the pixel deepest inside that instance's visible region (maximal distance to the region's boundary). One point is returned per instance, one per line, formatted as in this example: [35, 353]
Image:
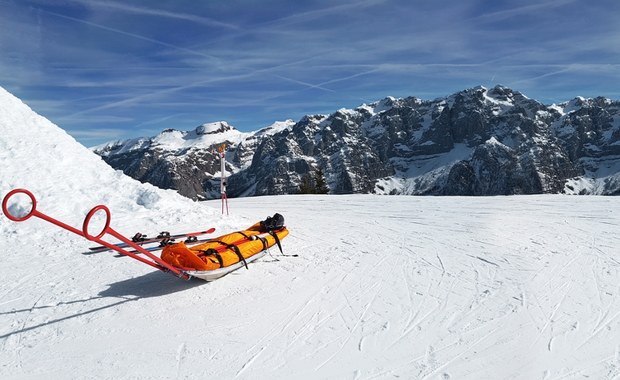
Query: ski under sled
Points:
[163, 238]
[207, 261]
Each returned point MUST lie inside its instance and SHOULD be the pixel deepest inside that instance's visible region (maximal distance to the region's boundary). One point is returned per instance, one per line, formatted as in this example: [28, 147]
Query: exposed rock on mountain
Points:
[475, 142]
[184, 161]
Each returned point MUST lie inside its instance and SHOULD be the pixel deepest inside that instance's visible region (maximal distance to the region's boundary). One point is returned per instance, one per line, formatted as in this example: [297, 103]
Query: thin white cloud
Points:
[348, 77]
[158, 120]
[133, 9]
[526, 9]
[533, 79]
[309, 85]
[133, 35]
[92, 134]
[322, 12]
[193, 83]
[136, 99]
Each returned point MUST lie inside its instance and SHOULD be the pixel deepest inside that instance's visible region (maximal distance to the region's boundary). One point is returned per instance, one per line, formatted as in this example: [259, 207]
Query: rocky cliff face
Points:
[475, 142]
[185, 161]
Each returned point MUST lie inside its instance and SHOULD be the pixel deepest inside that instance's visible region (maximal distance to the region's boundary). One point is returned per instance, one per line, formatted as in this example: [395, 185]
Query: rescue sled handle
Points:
[156, 263]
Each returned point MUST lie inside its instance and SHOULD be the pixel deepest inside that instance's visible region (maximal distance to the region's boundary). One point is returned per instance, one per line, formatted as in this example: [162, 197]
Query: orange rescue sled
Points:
[224, 254]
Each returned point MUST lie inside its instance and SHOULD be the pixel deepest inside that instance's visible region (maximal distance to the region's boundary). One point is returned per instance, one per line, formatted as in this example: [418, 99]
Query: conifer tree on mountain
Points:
[313, 183]
[320, 183]
[307, 184]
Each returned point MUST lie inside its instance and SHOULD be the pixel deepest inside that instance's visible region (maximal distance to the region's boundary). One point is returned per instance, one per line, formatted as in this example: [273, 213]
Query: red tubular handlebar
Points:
[33, 211]
[156, 263]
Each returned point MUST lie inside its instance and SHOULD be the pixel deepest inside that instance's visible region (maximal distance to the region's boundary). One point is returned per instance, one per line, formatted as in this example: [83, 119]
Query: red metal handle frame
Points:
[5, 203]
[89, 216]
[156, 263]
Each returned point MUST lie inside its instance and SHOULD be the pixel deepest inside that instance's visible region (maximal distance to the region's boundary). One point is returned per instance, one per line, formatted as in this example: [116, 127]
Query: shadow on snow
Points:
[153, 284]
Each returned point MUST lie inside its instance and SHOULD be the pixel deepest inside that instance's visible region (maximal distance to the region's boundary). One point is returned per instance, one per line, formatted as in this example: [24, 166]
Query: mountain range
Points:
[477, 141]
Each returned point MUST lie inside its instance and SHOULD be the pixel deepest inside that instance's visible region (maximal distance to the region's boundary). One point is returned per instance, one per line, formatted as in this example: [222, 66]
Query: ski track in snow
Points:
[412, 287]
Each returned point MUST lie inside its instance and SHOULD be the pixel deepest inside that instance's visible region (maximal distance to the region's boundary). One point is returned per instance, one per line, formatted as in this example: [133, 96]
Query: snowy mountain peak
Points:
[276, 127]
[168, 137]
[312, 119]
[574, 104]
[204, 136]
[185, 160]
[213, 128]
[500, 93]
[384, 104]
[580, 103]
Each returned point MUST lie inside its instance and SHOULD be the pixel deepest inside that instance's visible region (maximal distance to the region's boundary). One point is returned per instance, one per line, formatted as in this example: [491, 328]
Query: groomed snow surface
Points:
[384, 287]
[522, 287]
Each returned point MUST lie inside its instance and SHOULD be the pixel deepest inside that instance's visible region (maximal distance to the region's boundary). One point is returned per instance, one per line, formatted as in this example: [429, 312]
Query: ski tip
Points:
[209, 231]
[96, 249]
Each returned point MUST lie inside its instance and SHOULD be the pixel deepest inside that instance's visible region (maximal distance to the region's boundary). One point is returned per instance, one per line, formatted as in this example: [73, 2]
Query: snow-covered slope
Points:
[520, 287]
[68, 180]
[383, 287]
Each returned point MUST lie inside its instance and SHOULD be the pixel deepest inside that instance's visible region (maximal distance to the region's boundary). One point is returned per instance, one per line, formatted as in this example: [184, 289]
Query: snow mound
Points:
[66, 178]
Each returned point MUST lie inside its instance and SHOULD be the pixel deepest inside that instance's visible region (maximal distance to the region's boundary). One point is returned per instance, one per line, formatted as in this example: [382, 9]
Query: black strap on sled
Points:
[213, 252]
[262, 240]
[255, 237]
[277, 239]
[235, 249]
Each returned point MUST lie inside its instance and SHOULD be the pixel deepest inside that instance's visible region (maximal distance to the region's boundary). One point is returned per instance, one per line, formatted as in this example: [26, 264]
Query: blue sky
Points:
[106, 70]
